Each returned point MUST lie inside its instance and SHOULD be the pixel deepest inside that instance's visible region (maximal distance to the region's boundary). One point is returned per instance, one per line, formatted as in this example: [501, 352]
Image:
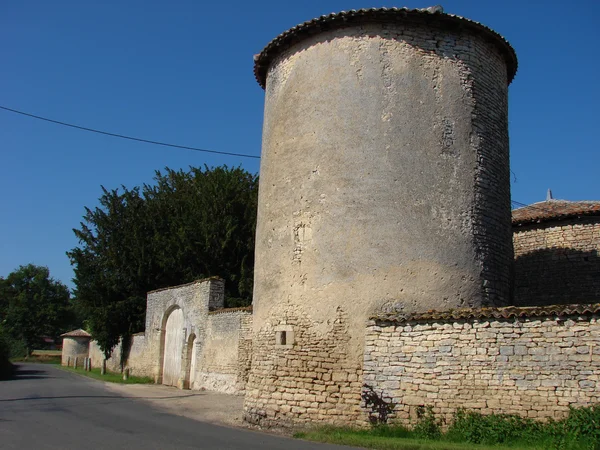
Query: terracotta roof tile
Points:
[344, 19]
[77, 333]
[230, 310]
[554, 210]
[506, 312]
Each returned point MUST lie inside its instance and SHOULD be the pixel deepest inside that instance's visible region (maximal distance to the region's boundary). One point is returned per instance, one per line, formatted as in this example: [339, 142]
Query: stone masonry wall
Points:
[139, 361]
[223, 338]
[307, 379]
[74, 347]
[145, 355]
[557, 262]
[224, 357]
[195, 300]
[536, 367]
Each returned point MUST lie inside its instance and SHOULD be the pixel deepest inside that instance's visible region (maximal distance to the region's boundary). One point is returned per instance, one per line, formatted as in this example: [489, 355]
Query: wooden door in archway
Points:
[174, 340]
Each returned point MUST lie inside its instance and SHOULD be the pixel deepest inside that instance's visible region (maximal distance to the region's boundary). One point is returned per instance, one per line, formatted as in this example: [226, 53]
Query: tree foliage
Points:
[33, 305]
[187, 225]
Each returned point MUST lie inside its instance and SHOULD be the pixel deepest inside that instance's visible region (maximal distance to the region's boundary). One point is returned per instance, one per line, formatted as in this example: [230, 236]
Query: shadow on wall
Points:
[557, 276]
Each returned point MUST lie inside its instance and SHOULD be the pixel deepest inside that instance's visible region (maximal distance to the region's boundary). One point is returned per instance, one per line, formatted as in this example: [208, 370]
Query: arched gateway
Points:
[174, 337]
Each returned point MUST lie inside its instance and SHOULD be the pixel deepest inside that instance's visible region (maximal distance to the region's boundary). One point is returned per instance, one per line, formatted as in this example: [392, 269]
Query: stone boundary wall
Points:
[145, 355]
[112, 364]
[223, 336]
[557, 261]
[225, 352]
[533, 363]
[138, 362]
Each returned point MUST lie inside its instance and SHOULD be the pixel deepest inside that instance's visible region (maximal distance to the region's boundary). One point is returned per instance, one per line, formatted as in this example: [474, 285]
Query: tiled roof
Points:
[554, 210]
[343, 19]
[77, 333]
[506, 312]
[230, 310]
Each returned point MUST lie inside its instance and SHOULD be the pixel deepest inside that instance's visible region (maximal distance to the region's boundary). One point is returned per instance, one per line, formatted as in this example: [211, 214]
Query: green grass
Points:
[38, 358]
[109, 376]
[46, 353]
[469, 429]
[389, 441]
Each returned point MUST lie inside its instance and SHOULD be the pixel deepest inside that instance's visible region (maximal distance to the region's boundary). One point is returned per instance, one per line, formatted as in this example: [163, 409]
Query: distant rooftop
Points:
[77, 333]
[554, 210]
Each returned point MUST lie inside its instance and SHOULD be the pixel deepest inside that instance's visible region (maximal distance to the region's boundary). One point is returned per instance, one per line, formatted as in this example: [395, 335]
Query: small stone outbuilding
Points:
[75, 345]
[557, 252]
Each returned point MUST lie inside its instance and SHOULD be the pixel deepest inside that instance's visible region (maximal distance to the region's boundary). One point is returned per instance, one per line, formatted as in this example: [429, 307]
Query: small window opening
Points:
[284, 336]
[281, 337]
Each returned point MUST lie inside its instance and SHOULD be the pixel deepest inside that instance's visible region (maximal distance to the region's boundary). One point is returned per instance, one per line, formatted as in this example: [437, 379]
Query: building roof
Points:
[554, 210]
[343, 19]
[77, 333]
[506, 312]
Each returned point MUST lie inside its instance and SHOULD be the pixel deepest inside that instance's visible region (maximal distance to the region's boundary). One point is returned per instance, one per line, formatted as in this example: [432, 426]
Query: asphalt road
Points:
[46, 408]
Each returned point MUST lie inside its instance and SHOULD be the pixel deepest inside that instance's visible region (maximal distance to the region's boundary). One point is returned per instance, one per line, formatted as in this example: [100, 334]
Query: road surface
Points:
[46, 408]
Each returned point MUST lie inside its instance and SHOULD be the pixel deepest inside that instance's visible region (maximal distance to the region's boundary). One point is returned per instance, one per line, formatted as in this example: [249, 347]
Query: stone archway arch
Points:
[172, 346]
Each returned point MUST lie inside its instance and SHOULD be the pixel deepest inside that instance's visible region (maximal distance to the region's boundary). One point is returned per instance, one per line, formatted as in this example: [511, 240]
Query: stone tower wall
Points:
[384, 184]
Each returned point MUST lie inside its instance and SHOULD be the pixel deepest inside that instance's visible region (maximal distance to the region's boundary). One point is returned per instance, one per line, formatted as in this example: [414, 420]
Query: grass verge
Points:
[41, 359]
[580, 430]
[109, 376]
[371, 439]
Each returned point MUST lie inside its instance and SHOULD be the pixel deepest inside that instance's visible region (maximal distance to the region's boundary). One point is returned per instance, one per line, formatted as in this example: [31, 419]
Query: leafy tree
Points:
[33, 305]
[186, 226]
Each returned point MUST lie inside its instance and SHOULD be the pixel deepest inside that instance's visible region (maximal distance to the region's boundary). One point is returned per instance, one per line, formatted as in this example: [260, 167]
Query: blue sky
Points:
[181, 72]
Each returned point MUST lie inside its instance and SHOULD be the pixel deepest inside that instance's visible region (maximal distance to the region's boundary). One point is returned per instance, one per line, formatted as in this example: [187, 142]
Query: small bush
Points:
[477, 428]
[580, 430]
[427, 426]
[584, 423]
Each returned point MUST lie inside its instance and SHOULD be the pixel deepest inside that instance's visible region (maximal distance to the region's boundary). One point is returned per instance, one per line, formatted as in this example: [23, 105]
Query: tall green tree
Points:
[185, 226]
[33, 305]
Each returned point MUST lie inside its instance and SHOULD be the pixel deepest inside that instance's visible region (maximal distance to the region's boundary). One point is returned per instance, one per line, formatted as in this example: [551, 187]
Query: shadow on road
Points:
[93, 396]
[19, 373]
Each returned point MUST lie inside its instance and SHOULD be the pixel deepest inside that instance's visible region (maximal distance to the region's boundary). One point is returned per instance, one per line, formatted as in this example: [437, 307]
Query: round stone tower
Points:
[384, 184]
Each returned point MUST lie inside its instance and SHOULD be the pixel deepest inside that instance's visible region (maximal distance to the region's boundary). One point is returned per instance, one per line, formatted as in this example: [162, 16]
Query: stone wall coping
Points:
[202, 280]
[554, 210]
[506, 312]
[344, 19]
[246, 309]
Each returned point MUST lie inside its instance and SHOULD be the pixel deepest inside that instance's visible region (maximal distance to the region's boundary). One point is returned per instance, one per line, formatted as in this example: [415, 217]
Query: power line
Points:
[131, 138]
[523, 205]
[147, 141]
